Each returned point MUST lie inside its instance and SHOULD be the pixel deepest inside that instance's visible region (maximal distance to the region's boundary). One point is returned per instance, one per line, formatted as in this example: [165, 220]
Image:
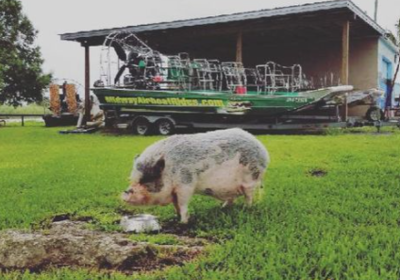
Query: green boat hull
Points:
[213, 102]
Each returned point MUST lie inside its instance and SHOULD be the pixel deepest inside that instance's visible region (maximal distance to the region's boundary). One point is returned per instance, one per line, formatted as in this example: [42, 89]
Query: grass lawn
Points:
[342, 225]
[27, 109]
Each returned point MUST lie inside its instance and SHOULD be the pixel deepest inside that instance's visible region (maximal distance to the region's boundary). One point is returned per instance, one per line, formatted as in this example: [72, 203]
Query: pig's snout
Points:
[135, 195]
[125, 195]
[127, 192]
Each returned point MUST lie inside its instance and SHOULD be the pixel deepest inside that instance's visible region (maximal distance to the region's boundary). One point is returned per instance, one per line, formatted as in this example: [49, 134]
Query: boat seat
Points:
[254, 81]
[234, 74]
[204, 74]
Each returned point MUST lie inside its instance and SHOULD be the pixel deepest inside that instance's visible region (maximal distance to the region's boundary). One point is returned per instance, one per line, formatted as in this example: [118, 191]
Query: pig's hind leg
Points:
[251, 181]
[228, 202]
[248, 191]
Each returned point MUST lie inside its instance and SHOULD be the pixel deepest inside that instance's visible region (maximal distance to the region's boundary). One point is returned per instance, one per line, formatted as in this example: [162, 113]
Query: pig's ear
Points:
[159, 167]
[153, 173]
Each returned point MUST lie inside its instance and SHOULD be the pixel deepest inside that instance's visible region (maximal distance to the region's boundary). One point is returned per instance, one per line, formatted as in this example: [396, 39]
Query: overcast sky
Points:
[66, 59]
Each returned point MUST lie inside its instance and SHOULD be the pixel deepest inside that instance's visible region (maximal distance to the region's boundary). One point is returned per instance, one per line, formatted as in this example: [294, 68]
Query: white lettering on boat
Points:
[164, 101]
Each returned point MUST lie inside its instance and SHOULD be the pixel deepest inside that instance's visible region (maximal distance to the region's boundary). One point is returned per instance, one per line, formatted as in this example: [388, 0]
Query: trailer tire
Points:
[164, 127]
[141, 126]
[375, 114]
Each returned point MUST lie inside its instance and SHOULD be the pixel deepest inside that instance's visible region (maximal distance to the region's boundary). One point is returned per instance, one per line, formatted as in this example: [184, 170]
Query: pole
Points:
[345, 53]
[376, 11]
[345, 108]
[87, 83]
[239, 47]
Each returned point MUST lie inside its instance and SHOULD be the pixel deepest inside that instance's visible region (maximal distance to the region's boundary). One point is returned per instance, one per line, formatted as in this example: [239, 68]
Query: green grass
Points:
[28, 109]
[161, 239]
[344, 225]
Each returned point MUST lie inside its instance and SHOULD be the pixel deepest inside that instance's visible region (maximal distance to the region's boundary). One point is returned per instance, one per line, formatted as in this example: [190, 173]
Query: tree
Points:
[21, 76]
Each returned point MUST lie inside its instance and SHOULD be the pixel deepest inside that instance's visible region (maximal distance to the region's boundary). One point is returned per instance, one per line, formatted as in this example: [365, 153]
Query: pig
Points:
[223, 164]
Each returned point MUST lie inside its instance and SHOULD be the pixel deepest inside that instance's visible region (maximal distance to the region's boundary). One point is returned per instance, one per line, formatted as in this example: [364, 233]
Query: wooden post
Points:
[345, 53]
[22, 121]
[87, 83]
[345, 109]
[239, 47]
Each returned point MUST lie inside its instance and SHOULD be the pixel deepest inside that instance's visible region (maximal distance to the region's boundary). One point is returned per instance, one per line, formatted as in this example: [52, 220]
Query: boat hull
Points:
[209, 102]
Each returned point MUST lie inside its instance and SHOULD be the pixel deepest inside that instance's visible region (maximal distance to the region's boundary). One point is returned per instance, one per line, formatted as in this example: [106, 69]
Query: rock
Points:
[140, 223]
[71, 244]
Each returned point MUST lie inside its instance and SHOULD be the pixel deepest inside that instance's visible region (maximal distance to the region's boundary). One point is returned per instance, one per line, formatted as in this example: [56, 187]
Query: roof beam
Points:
[332, 8]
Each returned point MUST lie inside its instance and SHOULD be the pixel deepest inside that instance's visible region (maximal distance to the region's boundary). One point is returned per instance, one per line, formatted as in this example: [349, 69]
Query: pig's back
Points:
[199, 152]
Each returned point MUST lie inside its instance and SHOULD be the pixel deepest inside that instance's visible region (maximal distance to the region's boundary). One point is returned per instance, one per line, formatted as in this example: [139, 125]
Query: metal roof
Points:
[237, 17]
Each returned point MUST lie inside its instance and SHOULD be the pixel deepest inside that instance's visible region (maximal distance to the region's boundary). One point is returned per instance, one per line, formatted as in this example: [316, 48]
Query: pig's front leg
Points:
[176, 205]
[181, 198]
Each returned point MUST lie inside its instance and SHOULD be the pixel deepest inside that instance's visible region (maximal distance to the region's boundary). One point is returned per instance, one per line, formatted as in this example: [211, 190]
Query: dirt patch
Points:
[72, 244]
[174, 227]
[318, 172]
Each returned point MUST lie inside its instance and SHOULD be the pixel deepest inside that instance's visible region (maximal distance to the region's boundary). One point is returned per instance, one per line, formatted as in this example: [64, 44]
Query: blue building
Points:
[387, 60]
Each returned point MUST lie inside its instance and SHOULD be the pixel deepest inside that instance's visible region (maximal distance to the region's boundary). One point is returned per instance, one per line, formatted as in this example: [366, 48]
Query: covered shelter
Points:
[335, 42]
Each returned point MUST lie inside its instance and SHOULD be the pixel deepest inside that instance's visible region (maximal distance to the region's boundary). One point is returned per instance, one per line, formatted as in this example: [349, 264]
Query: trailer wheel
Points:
[375, 114]
[165, 127]
[141, 126]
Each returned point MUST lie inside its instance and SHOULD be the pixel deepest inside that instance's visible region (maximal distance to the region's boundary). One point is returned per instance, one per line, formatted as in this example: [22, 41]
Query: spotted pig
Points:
[223, 164]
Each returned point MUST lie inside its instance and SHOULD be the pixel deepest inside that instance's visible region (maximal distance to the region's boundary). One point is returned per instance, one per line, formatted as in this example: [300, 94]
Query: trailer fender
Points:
[153, 119]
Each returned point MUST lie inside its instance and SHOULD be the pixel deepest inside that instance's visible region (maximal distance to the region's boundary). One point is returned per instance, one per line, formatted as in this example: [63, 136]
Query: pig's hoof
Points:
[227, 203]
[246, 206]
[184, 220]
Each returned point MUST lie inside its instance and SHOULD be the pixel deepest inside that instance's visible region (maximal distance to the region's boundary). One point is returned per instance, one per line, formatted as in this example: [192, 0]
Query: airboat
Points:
[136, 78]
